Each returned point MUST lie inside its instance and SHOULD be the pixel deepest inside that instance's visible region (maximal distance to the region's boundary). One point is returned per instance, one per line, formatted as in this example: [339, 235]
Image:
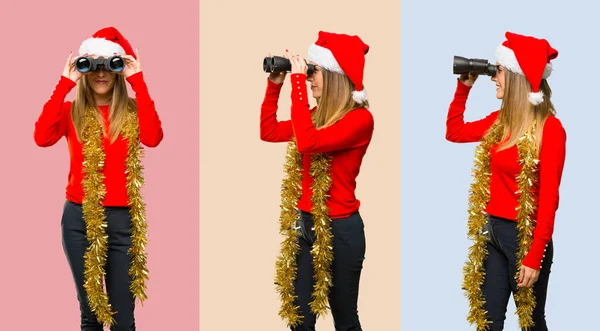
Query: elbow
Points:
[267, 136]
[305, 147]
[41, 141]
[264, 137]
[153, 141]
[451, 136]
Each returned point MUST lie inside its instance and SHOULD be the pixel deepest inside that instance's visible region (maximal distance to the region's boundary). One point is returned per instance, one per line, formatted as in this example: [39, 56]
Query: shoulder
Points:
[554, 126]
[360, 114]
[67, 105]
[494, 115]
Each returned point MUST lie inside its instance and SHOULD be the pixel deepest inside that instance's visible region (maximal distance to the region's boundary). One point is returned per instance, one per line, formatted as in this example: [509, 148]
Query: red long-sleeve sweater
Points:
[505, 169]
[346, 141]
[55, 122]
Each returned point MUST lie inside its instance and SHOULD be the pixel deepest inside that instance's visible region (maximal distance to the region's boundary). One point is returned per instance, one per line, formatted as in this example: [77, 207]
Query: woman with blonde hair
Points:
[104, 221]
[515, 193]
[324, 241]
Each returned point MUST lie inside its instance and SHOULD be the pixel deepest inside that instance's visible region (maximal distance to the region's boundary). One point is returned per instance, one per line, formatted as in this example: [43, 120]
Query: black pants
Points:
[501, 268]
[349, 246]
[117, 265]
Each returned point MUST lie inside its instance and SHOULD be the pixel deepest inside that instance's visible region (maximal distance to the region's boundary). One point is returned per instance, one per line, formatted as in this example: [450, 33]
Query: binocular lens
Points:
[83, 65]
[116, 64]
[88, 64]
[464, 65]
[281, 64]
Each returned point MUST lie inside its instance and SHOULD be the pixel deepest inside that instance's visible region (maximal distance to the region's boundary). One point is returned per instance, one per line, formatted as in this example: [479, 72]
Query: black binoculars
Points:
[86, 64]
[281, 64]
[463, 65]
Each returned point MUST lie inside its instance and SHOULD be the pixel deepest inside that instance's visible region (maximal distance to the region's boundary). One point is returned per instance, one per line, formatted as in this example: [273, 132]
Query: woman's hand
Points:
[277, 77]
[468, 79]
[70, 71]
[132, 65]
[527, 277]
[299, 65]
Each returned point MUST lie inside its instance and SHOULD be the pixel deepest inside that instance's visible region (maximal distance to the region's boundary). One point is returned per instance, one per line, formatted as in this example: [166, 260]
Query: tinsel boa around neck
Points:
[322, 250]
[474, 271]
[95, 218]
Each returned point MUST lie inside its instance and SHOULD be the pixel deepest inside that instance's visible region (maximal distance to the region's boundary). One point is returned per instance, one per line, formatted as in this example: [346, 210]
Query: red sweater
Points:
[505, 169]
[346, 141]
[55, 122]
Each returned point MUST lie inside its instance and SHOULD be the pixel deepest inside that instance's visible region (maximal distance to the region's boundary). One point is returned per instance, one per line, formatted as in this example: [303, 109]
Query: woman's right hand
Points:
[69, 71]
[277, 77]
[468, 79]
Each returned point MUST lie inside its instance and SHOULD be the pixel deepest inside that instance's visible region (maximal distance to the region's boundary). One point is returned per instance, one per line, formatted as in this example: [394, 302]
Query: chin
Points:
[101, 91]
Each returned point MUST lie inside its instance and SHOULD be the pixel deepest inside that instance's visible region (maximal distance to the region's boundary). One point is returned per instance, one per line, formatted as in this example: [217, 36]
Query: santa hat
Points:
[343, 54]
[530, 57]
[106, 42]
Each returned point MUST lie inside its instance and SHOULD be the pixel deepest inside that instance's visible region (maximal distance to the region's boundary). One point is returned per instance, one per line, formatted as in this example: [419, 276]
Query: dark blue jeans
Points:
[349, 246]
[501, 268]
[117, 264]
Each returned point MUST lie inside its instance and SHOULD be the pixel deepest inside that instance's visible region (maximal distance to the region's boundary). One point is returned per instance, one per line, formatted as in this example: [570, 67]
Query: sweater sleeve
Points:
[456, 129]
[151, 133]
[53, 122]
[271, 129]
[552, 160]
[355, 129]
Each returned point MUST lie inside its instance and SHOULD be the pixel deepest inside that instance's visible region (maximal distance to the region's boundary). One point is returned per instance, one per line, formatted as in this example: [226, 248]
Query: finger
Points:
[269, 55]
[521, 276]
[530, 280]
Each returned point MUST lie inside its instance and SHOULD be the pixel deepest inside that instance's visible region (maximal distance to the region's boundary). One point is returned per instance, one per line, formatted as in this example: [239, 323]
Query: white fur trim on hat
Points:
[506, 57]
[100, 47]
[359, 96]
[536, 98]
[323, 58]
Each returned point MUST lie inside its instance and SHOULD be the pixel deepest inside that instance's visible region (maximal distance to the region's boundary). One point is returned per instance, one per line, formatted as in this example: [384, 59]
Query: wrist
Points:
[67, 81]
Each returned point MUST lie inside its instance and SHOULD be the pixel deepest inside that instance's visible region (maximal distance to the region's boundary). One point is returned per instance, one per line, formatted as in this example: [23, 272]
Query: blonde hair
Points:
[517, 114]
[119, 103]
[336, 99]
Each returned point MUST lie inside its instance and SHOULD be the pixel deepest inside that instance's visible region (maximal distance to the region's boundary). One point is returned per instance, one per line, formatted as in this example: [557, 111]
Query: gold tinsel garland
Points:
[286, 265]
[95, 218]
[526, 183]
[322, 250]
[474, 271]
[94, 192]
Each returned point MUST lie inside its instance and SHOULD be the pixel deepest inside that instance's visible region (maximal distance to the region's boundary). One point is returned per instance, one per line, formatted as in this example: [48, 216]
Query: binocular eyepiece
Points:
[86, 64]
[463, 65]
[281, 64]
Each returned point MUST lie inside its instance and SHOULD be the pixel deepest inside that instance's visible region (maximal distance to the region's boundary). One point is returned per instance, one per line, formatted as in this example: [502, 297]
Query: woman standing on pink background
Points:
[104, 223]
[324, 247]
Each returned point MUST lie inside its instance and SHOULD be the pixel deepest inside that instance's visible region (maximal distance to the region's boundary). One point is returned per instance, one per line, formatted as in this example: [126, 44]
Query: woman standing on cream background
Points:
[324, 247]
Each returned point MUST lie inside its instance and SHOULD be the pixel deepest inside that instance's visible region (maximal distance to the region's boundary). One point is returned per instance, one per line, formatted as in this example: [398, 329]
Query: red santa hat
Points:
[343, 54]
[530, 57]
[106, 42]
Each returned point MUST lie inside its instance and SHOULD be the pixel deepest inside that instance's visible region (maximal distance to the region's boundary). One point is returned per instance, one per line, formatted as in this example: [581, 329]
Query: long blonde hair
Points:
[119, 103]
[336, 99]
[517, 114]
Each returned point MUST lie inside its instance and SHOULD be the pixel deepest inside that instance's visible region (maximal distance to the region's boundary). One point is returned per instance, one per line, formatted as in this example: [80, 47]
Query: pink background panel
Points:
[37, 291]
